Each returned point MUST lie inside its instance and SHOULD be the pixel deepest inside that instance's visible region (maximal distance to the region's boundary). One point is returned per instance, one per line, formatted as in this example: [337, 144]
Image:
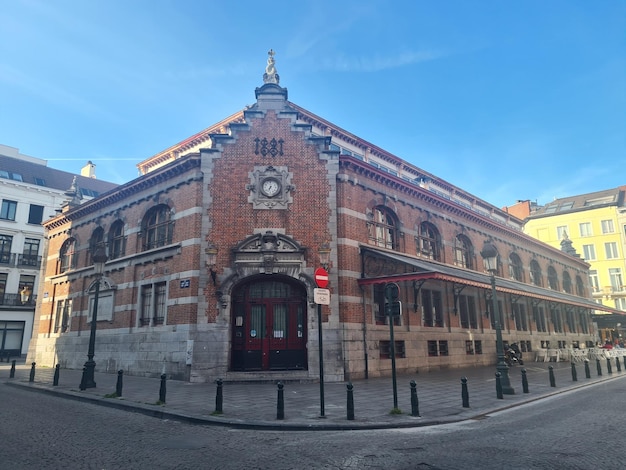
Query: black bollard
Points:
[609, 369]
[280, 405]
[524, 381]
[350, 403]
[55, 380]
[574, 374]
[82, 380]
[120, 383]
[162, 389]
[623, 357]
[12, 373]
[552, 381]
[32, 373]
[464, 392]
[219, 396]
[618, 365]
[415, 406]
[499, 386]
[587, 371]
[598, 367]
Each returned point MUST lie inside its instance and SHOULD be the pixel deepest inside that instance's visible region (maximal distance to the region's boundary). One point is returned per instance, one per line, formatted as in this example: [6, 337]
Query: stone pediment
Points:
[269, 253]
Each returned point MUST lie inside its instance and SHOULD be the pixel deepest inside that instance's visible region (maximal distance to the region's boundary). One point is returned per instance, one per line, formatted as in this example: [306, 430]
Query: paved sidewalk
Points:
[254, 405]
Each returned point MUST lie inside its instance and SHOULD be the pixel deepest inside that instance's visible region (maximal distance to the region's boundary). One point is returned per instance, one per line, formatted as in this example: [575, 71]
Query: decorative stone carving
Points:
[271, 75]
[269, 253]
[270, 187]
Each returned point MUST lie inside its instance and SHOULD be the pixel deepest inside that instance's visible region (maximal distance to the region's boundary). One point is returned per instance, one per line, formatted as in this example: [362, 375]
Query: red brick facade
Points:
[263, 193]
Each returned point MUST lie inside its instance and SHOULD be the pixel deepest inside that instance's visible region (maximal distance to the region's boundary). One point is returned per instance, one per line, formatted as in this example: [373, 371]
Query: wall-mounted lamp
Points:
[324, 253]
[211, 261]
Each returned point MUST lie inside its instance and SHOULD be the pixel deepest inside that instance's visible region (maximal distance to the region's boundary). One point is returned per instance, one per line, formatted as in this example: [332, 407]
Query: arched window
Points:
[580, 287]
[67, 256]
[157, 227]
[382, 230]
[428, 241]
[567, 282]
[516, 268]
[553, 278]
[535, 273]
[463, 252]
[117, 240]
[97, 238]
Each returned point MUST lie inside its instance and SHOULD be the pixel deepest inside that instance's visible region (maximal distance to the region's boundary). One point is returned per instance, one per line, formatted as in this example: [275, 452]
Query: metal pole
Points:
[90, 366]
[392, 353]
[501, 366]
[321, 354]
[350, 402]
[280, 402]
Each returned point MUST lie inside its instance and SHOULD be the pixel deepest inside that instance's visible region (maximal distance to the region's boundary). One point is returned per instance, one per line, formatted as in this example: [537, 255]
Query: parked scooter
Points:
[513, 355]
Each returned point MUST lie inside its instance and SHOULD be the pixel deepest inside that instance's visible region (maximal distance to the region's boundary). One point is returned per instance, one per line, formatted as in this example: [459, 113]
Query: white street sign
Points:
[321, 296]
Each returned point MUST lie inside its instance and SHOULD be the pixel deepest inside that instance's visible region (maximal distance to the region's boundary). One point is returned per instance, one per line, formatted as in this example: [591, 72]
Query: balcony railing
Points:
[15, 300]
[7, 259]
[29, 261]
[23, 261]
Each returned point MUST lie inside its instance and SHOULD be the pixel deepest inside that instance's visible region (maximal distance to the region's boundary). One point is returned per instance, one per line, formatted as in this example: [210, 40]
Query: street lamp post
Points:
[87, 381]
[490, 258]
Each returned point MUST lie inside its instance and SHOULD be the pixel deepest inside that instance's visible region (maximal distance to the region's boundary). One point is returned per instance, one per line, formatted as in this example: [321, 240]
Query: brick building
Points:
[212, 253]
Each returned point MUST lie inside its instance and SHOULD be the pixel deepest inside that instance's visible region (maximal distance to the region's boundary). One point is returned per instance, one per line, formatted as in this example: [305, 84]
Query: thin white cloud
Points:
[379, 62]
[577, 182]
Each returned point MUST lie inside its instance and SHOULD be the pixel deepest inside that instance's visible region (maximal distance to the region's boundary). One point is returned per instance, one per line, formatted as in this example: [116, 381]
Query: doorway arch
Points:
[269, 325]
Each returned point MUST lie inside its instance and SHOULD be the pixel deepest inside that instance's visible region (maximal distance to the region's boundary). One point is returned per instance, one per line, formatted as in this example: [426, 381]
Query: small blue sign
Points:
[185, 283]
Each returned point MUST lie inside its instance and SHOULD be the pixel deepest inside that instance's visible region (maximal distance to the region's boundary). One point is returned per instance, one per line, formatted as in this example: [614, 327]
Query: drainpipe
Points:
[364, 329]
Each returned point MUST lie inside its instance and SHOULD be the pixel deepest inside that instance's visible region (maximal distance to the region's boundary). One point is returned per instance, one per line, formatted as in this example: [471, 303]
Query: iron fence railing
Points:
[15, 300]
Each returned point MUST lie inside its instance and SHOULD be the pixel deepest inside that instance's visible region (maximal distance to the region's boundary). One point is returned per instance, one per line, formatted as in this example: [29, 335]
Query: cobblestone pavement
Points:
[255, 405]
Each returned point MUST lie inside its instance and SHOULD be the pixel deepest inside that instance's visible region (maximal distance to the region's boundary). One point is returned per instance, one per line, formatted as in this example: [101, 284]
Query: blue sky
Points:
[507, 100]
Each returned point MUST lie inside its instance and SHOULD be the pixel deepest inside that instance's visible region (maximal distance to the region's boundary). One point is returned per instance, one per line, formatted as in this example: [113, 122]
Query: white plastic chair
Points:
[554, 353]
[541, 355]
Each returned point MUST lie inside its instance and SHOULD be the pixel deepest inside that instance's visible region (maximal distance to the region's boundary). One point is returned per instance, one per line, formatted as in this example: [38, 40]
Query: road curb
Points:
[157, 411]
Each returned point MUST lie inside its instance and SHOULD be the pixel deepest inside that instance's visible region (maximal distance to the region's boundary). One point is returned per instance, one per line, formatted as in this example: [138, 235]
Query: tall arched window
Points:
[535, 273]
[117, 240]
[516, 267]
[97, 238]
[463, 252]
[428, 241]
[553, 278]
[157, 227]
[67, 255]
[567, 282]
[382, 230]
[580, 287]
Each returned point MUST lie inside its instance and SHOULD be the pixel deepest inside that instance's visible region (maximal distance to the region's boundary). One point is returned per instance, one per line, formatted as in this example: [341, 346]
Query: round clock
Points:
[270, 187]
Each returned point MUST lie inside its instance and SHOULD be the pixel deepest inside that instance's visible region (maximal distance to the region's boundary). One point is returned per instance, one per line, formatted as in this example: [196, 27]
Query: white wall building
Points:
[30, 193]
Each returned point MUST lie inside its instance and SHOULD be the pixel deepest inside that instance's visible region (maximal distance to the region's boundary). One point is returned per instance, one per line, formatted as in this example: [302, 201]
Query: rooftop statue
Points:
[270, 75]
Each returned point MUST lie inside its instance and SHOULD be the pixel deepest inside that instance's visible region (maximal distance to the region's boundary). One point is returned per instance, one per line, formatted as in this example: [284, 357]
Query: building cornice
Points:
[449, 207]
[126, 191]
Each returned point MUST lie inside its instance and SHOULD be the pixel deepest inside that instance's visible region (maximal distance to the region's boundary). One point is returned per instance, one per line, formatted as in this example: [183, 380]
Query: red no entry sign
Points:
[321, 278]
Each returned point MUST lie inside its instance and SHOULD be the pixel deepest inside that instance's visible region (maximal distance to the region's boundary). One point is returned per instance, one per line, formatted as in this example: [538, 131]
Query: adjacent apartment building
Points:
[595, 225]
[212, 253]
[30, 192]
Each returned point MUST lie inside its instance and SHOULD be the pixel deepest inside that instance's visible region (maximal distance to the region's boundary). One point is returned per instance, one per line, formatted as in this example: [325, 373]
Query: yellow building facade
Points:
[593, 225]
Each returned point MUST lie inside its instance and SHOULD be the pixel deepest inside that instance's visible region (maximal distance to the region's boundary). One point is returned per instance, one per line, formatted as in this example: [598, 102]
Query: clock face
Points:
[270, 187]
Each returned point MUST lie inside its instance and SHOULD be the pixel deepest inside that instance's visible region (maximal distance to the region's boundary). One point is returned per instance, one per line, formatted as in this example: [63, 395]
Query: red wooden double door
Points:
[269, 326]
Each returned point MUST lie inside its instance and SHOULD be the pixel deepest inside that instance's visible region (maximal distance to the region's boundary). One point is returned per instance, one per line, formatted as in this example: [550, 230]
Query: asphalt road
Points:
[574, 430]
